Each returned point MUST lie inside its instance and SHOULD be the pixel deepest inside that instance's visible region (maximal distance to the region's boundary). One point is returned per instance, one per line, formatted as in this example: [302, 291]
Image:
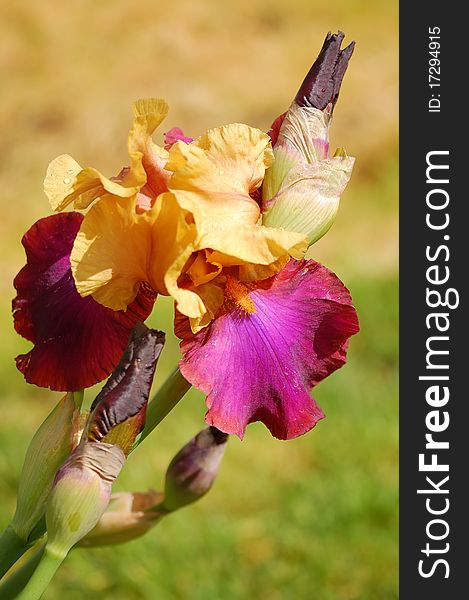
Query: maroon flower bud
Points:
[82, 487]
[322, 83]
[194, 469]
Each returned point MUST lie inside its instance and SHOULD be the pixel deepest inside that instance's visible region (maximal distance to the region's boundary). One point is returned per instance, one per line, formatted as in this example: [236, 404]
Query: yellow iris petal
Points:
[212, 296]
[67, 182]
[202, 270]
[149, 113]
[110, 253]
[213, 179]
[213, 176]
[147, 160]
[116, 249]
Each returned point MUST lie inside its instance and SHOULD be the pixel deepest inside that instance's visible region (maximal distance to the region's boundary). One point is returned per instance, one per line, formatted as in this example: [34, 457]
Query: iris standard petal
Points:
[213, 178]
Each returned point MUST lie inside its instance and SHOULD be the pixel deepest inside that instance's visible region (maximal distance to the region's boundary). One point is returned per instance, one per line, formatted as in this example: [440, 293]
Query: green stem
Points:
[38, 530]
[42, 576]
[165, 399]
[12, 547]
[17, 581]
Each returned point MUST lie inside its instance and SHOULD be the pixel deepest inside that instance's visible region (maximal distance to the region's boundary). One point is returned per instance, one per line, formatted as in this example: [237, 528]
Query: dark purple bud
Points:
[124, 398]
[193, 470]
[321, 85]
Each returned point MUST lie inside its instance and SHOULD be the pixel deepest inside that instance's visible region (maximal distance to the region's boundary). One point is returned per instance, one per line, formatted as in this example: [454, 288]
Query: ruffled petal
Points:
[270, 343]
[77, 342]
[66, 181]
[214, 178]
[147, 160]
[117, 249]
[110, 254]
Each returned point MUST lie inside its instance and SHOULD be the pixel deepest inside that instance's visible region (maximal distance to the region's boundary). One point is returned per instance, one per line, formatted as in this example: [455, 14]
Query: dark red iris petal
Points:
[77, 342]
[275, 128]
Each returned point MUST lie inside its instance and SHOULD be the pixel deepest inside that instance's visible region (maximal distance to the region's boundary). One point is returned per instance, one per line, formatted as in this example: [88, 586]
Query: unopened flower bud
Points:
[128, 516]
[82, 488]
[302, 196]
[194, 469]
[119, 410]
[321, 85]
[301, 191]
[50, 446]
[81, 494]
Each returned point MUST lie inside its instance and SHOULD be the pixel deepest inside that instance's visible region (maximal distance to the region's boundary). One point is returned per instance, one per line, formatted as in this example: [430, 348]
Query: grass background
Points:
[315, 517]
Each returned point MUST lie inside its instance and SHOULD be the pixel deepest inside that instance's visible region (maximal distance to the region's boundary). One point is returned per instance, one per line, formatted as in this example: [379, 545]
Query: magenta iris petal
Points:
[261, 366]
[175, 135]
[77, 342]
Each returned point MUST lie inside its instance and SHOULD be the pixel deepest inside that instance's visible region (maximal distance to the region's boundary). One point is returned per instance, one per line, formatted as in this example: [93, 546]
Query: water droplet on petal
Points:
[67, 180]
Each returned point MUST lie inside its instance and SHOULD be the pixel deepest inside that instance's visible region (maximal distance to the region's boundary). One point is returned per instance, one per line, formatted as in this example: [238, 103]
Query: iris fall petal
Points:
[269, 344]
[77, 342]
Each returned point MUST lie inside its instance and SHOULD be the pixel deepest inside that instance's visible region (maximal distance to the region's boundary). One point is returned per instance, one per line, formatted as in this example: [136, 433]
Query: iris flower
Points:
[207, 220]
[260, 326]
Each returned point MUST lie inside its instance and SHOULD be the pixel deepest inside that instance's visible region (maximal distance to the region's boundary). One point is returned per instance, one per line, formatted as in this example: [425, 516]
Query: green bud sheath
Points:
[302, 189]
[50, 446]
[81, 494]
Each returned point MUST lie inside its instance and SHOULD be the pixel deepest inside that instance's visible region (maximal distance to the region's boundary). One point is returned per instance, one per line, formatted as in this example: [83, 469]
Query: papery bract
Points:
[128, 516]
[302, 190]
[81, 493]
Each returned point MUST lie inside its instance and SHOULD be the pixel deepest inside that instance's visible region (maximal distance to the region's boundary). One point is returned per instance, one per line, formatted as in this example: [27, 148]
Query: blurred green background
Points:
[315, 517]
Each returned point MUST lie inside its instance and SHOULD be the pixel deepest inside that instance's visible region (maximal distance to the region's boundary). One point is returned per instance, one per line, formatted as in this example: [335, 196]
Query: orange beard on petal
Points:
[238, 293]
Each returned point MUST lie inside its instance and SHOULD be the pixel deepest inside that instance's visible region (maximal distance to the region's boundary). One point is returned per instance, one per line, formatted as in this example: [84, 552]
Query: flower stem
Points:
[165, 399]
[42, 576]
[11, 548]
[17, 581]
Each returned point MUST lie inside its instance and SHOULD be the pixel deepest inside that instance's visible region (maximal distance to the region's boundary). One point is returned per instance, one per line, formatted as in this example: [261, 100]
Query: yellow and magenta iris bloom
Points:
[205, 221]
[259, 325]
